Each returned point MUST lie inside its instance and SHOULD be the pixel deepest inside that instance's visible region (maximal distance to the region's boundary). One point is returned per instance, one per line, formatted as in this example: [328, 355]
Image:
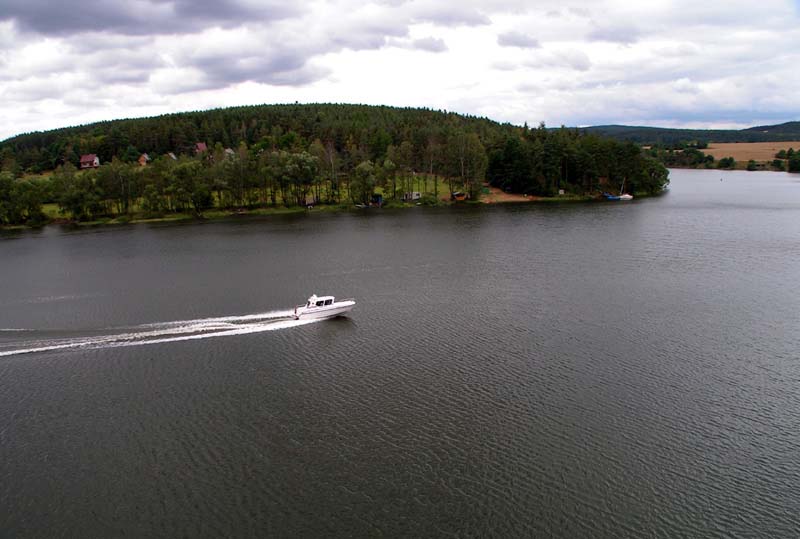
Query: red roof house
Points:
[90, 160]
[200, 147]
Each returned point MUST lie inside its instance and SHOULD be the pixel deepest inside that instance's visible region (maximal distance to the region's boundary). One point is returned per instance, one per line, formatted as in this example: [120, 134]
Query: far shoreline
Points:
[496, 196]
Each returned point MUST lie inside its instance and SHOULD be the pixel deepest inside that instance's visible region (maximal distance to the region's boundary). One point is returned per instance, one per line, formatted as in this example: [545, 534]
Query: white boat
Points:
[622, 194]
[323, 307]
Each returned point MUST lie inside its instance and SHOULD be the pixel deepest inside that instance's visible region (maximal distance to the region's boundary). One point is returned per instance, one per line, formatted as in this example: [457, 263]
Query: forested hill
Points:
[371, 128]
[667, 136]
[288, 155]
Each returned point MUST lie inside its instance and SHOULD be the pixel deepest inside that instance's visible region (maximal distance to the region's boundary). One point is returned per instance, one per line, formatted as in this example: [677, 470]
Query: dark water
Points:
[601, 370]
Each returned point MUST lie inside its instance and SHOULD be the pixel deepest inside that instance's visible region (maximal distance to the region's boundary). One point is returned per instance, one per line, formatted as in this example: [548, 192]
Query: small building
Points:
[90, 160]
[200, 147]
[143, 160]
[411, 196]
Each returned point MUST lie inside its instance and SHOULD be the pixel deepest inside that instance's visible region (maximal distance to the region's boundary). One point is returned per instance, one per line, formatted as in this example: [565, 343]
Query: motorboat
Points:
[323, 307]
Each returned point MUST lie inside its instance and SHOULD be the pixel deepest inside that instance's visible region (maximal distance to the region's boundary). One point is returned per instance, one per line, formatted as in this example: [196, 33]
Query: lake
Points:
[569, 370]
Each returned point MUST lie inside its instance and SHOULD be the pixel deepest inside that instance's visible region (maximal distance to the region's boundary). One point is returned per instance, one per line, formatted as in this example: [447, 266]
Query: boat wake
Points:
[157, 333]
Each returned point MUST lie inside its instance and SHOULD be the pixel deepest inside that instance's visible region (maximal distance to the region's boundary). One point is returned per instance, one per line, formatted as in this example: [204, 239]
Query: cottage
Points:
[200, 147]
[143, 160]
[411, 196]
[90, 160]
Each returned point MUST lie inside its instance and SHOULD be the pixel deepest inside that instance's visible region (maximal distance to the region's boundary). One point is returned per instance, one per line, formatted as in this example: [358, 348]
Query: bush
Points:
[794, 163]
[429, 200]
[726, 162]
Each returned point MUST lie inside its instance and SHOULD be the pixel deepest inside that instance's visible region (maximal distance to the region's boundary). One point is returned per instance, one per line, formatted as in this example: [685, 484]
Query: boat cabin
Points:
[320, 301]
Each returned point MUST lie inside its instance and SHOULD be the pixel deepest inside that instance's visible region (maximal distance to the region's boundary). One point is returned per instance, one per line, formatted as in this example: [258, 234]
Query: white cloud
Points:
[609, 61]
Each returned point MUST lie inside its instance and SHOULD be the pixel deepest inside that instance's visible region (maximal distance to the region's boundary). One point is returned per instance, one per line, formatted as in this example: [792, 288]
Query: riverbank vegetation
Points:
[271, 157]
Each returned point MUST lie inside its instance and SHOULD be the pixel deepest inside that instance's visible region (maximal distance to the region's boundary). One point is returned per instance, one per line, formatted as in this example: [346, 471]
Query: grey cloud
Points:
[34, 90]
[430, 44]
[286, 67]
[517, 39]
[92, 42]
[123, 76]
[107, 66]
[615, 33]
[357, 34]
[579, 12]
[446, 15]
[67, 17]
[530, 88]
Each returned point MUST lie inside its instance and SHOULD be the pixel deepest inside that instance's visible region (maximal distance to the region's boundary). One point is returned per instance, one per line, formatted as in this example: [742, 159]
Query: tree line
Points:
[299, 154]
[677, 137]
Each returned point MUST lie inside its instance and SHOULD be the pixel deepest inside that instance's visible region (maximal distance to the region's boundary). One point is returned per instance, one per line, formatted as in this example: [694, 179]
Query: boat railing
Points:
[348, 299]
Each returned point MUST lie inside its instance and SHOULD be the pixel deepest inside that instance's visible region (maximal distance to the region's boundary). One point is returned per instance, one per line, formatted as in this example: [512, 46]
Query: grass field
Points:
[744, 151]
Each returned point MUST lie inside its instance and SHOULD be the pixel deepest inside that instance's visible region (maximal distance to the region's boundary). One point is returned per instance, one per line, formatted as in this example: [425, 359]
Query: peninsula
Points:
[277, 158]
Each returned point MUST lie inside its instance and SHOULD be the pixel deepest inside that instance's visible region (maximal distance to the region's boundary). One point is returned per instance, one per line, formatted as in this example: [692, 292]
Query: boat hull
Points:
[328, 311]
[609, 196]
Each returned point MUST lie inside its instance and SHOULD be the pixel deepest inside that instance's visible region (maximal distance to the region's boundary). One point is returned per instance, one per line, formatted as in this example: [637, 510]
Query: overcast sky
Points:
[730, 63]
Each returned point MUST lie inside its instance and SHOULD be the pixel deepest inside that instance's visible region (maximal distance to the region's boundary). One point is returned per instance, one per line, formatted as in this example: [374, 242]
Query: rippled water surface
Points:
[598, 370]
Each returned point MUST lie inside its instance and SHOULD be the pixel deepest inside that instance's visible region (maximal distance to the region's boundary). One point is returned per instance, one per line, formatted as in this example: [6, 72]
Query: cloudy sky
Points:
[720, 63]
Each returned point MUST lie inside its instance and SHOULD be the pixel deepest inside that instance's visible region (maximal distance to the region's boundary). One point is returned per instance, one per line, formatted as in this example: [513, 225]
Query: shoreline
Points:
[741, 166]
[221, 214]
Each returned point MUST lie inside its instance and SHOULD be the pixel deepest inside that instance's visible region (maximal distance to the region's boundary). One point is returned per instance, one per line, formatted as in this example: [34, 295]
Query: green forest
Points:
[672, 137]
[273, 156]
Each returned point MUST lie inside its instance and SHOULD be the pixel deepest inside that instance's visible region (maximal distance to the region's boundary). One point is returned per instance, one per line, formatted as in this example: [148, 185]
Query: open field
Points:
[744, 151]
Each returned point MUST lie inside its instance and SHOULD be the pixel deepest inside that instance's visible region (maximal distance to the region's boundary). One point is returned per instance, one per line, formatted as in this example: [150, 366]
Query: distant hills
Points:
[663, 135]
[370, 128]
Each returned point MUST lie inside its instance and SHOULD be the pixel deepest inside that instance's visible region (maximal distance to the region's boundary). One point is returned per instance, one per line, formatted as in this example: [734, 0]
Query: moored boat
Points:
[625, 196]
[323, 307]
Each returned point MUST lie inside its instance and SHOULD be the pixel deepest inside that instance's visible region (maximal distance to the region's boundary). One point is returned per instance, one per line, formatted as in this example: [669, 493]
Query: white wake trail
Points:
[270, 315]
[166, 332]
